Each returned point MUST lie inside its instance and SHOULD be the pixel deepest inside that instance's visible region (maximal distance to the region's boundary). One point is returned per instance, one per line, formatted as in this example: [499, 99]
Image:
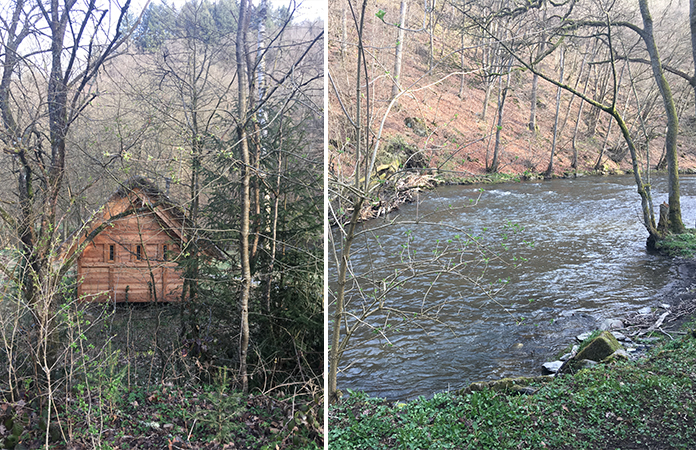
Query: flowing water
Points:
[572, 253]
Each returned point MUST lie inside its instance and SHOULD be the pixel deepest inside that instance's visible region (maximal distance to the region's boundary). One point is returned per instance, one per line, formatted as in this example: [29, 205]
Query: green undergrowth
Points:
[528, 175]
[489, 178]
[165, 416]
[679, 245]
[650, 403]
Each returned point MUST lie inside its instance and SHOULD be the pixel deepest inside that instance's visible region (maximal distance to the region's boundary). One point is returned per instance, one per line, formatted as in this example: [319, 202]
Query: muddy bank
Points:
[679, 293]
[388, 195]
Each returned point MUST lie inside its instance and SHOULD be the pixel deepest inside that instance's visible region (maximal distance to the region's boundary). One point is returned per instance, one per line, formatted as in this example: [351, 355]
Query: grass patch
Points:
[589, 339]
[679, 245]
[649, 403]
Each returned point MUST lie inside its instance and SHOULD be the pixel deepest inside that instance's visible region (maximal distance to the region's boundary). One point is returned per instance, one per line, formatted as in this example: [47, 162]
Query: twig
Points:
[188, 438]
[656, 324]
[663, 331]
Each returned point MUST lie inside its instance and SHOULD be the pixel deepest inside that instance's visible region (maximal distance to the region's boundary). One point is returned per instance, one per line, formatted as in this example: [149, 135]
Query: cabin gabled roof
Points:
[144, 197]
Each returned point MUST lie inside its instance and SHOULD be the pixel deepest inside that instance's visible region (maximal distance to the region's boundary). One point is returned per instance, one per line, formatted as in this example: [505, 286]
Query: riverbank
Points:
[644, 403]
[648, 404]
[399, 188]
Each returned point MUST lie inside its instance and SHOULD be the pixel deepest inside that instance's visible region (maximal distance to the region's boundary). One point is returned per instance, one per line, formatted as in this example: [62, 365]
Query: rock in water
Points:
[552, 366]
[597, 350]
[611, 324]
[583, 336]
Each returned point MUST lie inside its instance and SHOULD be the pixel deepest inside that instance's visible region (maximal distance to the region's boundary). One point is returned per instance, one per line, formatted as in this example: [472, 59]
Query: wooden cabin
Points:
[134, 256]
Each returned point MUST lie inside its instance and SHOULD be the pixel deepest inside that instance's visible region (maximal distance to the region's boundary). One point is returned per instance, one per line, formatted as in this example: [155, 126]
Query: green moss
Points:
[678, 245]
[599, 348]
[589, 339]
[505, 384]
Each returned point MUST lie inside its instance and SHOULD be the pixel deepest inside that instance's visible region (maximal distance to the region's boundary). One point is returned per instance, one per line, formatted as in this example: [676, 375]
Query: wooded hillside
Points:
[464, 95]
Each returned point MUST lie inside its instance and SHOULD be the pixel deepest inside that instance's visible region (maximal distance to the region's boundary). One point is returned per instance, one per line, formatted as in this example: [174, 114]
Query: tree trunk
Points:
[574, 165]
[599, 92]
[549, 170]
[431, 35]
[274, 224]
[242, 99]
[502, 94]
[462, 63]
[489, 58]
[254, 135]
[692, 24]
[486, 100]
[399, 50]
[572, 99]
[532, 125]
[335, 352]
[675, 218]
[598, 164]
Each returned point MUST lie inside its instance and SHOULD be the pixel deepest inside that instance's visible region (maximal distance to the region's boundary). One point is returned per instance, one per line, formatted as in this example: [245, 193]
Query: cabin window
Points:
[138, 253]
[164, 252]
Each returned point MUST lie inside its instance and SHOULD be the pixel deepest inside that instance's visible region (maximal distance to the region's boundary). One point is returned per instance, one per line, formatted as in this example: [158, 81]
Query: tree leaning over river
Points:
[571, 26]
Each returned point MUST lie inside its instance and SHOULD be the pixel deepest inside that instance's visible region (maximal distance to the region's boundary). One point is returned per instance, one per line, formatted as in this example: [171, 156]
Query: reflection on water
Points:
[583, 248]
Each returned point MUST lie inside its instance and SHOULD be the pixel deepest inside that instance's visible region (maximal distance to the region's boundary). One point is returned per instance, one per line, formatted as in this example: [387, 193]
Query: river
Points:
[572, 253]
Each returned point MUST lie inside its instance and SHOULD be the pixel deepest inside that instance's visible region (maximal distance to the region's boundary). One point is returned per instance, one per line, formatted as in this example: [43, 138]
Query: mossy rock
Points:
[417, 125]
[384, 170]
[409, 155]
[576, 365]
[619, 355]
[599, 348]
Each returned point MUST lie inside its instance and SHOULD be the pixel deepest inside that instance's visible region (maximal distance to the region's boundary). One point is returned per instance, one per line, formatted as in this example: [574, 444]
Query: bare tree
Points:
[502, 95]
[565, 26]
[549, 169]
[399, 55]
[77, 42]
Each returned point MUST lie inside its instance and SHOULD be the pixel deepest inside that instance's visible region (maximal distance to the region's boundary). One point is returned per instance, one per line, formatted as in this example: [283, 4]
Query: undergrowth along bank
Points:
[649, 403]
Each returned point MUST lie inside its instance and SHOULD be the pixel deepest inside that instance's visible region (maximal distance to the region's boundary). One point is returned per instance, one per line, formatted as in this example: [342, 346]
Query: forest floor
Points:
[166, 417]
[442, 117]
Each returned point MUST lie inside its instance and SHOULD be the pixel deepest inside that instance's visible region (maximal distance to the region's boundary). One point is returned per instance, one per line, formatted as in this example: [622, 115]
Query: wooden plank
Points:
[94, 282]
[125, 272]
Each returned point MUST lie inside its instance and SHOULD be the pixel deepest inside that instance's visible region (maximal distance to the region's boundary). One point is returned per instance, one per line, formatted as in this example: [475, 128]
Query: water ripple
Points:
[585, 256]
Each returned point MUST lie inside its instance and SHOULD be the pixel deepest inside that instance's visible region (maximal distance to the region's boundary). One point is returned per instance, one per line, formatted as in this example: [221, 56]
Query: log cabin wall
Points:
[132, 260]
